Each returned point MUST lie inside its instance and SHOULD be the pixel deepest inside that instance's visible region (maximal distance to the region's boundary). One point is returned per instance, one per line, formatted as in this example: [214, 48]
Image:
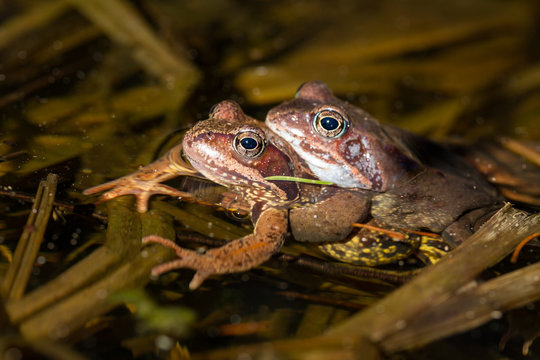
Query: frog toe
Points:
[142, 202]
[166, 267]
[165, 242]
[195, 262]
[198, 279]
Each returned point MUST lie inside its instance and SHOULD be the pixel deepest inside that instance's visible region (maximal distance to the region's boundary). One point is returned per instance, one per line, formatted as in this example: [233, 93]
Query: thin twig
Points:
[56, 203]
[496, 239]
[20, 269]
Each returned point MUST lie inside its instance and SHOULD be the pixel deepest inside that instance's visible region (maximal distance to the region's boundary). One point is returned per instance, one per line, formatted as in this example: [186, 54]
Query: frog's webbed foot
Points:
[131, 185]
[238, 255]
[146, 181]
[186, 259]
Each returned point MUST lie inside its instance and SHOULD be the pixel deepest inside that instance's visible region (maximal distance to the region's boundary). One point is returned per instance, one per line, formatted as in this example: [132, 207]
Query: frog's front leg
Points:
[146, 181]
[238, 255]
[331, 219]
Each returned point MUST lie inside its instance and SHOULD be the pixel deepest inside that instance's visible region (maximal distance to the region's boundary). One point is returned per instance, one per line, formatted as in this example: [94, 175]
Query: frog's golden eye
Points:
[249, 144]
[330, 123]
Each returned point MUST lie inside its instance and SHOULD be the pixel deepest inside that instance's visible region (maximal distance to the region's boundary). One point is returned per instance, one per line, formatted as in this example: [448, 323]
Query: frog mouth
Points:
[201, 167]
[210, 169]
[181, 164]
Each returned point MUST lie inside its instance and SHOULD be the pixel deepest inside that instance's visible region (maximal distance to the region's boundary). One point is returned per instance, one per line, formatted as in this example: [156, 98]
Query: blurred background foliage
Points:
[92, 89]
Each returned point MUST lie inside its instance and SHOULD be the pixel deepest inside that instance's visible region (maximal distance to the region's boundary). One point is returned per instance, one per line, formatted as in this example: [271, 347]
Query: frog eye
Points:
[249, 144]
[330, 123]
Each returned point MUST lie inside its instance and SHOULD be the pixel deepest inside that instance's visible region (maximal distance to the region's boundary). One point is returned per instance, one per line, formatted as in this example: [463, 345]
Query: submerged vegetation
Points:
[91, 90]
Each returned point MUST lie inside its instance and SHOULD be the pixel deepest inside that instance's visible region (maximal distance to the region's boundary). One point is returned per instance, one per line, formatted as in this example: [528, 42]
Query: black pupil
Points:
[329, 123]
[248, 143]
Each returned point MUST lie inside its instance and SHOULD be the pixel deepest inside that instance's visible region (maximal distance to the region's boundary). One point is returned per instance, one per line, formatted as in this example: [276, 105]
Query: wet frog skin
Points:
[239, 152]
[416, 183]
[340, 143]
[234, 150]
[215, 147]
[316, 213]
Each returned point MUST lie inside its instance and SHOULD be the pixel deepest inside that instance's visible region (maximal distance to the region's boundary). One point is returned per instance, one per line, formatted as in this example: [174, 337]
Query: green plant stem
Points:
[297, 179]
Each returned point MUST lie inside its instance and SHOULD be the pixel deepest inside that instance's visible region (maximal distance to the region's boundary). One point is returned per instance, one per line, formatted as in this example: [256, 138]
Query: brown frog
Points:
[238, 152]
[415, 183]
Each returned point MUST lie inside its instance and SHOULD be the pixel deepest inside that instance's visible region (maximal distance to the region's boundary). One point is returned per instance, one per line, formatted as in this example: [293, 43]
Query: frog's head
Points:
[237, 151]
[340, 142]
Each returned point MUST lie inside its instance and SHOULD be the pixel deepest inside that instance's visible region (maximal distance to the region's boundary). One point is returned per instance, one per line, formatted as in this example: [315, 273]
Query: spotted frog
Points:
[239, 152]
[415, 183]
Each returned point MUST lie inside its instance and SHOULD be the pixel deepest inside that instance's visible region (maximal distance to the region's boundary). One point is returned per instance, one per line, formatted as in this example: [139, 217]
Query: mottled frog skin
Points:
[238, 152]
[216, 148]
[416, 183]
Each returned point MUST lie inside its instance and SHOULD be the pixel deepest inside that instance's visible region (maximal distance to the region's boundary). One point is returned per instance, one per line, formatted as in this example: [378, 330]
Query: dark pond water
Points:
[90, 91]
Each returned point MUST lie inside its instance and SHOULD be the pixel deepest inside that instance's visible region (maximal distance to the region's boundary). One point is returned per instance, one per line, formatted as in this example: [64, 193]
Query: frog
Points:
[415, 182]
[239, 152]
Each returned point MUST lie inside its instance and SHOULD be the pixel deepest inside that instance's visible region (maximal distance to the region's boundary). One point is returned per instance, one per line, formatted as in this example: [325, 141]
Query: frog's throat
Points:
[250, 189]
